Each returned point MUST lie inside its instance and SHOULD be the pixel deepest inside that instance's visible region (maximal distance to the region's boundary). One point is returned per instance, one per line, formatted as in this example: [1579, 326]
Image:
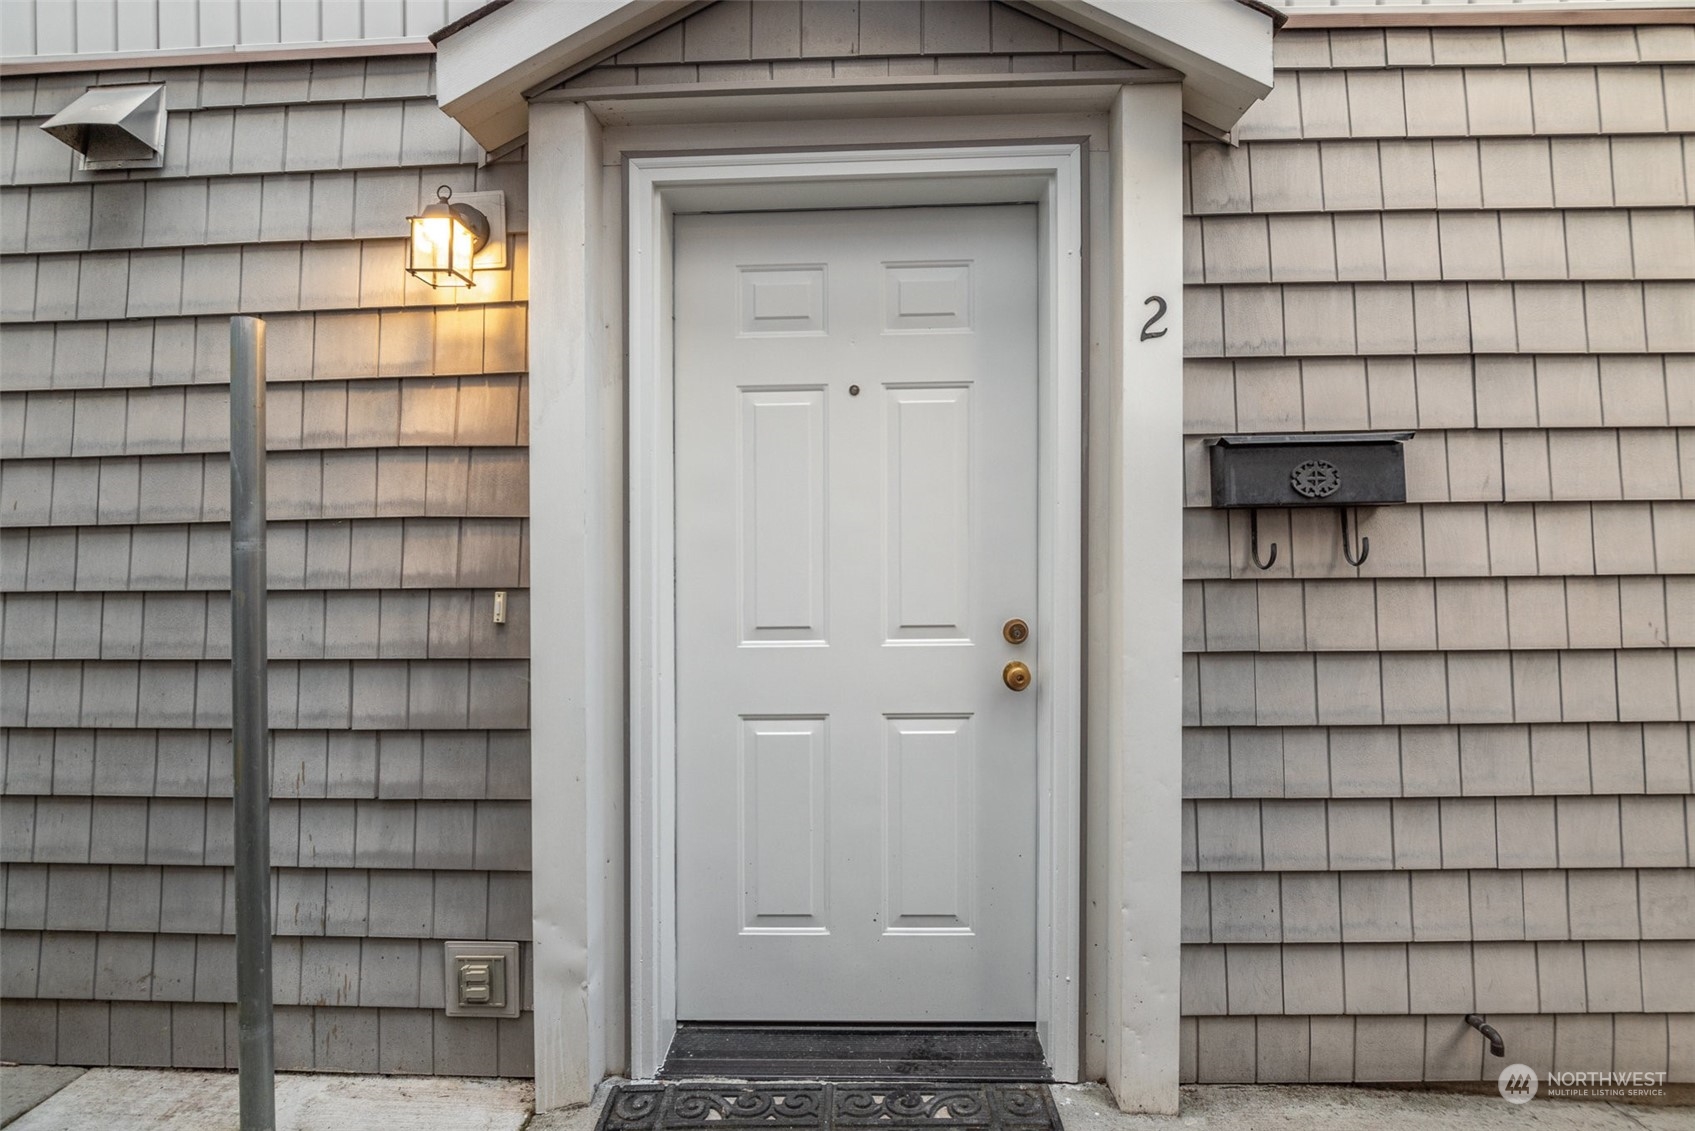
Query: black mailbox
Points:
[1347, 469]
[1336, 469]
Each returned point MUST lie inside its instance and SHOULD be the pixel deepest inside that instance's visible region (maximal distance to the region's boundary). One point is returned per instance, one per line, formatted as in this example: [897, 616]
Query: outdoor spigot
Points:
[1497, 1047]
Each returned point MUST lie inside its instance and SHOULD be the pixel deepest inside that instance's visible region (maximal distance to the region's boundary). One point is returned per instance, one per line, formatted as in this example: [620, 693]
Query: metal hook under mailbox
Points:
[1347, 544]
[1354, 559]
[1253, 540]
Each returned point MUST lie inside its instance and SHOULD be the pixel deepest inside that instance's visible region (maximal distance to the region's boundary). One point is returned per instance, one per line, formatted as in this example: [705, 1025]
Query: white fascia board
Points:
[1222, 47]
[483, 70]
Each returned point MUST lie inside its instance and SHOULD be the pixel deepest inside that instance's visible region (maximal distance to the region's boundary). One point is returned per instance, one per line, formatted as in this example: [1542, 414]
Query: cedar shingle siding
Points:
[398, 496]
[741, 42]
[1457, 778]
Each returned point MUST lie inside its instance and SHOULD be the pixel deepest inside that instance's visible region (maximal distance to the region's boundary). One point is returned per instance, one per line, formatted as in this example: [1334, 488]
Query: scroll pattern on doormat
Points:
[829, 1107]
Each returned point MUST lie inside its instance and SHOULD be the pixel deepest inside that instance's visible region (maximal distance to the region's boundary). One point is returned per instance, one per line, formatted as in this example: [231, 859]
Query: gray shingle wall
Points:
[1457, 778]
[736, 41]
[398, 494]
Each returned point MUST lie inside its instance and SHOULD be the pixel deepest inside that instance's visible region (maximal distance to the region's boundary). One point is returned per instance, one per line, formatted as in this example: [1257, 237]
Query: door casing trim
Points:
[658, 187]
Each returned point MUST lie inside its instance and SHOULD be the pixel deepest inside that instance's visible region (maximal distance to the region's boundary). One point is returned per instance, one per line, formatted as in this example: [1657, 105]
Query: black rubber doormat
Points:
[874, 1053]
[829, 1107]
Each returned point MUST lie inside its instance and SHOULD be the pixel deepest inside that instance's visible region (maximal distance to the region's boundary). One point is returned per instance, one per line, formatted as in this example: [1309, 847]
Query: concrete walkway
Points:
[22, 1086]
[1300, 1107]
[128, 1099]
[121, 1099]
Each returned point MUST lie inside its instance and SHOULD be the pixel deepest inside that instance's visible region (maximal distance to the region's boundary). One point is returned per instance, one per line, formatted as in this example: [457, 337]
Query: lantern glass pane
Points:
[463, 251]
[440, 251]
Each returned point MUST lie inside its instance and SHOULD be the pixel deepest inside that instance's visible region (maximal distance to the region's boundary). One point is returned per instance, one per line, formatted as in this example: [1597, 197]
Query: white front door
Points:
[856, 502]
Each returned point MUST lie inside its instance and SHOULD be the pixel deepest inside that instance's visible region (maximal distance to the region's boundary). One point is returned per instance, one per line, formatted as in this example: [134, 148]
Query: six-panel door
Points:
[856, 520]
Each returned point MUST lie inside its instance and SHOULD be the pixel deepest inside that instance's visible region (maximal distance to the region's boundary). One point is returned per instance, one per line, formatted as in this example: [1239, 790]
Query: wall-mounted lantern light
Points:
[114, 127]
[445, 240]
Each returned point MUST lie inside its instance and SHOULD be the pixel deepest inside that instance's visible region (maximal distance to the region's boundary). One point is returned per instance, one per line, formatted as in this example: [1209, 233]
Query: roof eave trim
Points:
[1222, 49]
[489, 9]
[486, 64]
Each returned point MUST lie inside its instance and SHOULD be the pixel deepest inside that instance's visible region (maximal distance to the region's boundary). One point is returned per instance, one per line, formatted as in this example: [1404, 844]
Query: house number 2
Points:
[1148, 330]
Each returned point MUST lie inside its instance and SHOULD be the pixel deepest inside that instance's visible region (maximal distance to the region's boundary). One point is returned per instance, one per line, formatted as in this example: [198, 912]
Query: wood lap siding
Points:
[52, 27]
[398, 497]
[1457, 778]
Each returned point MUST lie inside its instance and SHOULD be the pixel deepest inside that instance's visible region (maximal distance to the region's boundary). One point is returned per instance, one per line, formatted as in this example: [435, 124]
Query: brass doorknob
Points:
[1016, 675]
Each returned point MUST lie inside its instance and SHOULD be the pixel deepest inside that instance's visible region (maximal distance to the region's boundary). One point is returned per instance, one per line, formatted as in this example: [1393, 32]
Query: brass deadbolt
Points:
[1016, 675]
[1015, 631]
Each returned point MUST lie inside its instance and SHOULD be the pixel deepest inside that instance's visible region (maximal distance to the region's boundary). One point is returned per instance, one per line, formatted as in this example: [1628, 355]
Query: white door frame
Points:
[659, 187]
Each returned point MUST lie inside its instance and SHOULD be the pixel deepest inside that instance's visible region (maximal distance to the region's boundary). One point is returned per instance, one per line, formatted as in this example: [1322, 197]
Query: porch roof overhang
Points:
[490, 64]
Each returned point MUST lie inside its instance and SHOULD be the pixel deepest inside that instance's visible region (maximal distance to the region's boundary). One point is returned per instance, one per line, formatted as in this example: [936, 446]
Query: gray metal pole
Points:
[249, 647]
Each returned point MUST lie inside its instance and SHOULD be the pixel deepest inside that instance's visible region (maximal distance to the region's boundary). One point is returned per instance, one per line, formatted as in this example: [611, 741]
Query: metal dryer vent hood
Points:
[114, 127]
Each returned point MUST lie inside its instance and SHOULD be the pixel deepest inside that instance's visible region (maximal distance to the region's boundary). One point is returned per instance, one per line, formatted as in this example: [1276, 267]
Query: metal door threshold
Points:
[941, 1053]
